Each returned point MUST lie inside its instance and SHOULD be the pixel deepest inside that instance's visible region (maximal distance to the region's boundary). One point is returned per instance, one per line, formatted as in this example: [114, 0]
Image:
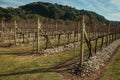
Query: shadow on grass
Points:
[19, 53]
[60, 68]
[28, 72]
[10, 53]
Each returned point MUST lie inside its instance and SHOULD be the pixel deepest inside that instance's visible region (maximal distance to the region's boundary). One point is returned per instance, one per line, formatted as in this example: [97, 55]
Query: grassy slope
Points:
[113, 69]
[14, 67]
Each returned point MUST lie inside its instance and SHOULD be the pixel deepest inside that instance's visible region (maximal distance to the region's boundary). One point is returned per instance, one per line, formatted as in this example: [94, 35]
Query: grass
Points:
[15, 67]
[112, 71]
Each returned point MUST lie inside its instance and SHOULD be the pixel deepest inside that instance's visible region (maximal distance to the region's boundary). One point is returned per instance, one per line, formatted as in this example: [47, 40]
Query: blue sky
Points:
[110, 9]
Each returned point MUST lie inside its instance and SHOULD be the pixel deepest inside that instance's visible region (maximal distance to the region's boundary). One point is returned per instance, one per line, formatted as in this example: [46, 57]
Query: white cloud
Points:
[11, 3]
[101, 6]
[116, 14]
[2, 5]
[14, 1]
[113, 16]
[105, 8]
[116, 3]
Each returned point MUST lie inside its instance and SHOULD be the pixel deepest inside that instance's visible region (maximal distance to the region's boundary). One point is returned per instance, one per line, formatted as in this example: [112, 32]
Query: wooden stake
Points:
[38, 28]
[78, 31]
[82, 42]
[108, 33]
[56, 26]
[15, 26]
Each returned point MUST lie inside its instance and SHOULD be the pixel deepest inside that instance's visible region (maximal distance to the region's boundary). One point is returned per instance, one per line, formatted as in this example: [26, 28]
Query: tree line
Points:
[47, 10]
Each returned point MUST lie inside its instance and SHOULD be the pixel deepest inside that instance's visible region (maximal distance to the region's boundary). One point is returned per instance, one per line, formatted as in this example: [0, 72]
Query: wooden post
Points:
[78, 31]
[34, 39]
[38, 29]
[15, 26]
[56, 29]
[82, 42]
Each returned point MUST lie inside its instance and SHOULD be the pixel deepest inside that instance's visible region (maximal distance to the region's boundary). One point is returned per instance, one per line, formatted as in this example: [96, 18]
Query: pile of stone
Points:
[60, 48]
[97, 61]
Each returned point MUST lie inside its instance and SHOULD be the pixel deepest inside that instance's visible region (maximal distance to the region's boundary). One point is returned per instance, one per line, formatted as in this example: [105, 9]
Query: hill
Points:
[47, 10]
[56, 11]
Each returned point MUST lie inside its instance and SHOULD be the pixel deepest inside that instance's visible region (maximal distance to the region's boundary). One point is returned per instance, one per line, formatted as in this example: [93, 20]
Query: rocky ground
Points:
[97, 61]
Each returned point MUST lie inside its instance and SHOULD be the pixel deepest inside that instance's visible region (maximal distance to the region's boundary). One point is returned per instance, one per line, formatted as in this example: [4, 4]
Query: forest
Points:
[47, 10]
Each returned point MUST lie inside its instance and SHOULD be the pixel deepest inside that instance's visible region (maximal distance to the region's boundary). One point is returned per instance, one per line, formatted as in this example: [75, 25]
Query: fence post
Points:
[56, 30]
[38, 29]
[15, 26]
[82, 42]
[78, 31]
[109, 33]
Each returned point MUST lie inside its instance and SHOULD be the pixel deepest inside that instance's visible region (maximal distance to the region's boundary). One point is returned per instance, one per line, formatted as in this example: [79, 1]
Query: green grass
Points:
[112, 71]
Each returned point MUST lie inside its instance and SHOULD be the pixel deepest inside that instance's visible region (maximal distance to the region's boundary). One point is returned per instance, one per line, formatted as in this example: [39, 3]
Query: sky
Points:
[110, 9]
